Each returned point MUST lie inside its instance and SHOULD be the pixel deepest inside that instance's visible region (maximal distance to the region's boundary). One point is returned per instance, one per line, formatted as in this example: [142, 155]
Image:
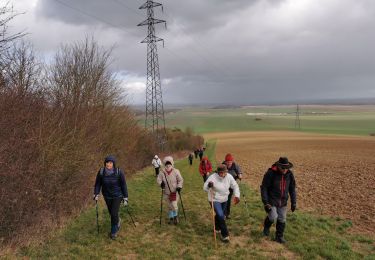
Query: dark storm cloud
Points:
[229, 51]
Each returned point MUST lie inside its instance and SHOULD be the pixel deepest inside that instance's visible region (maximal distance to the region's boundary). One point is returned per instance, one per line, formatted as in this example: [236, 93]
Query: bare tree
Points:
[6, 15]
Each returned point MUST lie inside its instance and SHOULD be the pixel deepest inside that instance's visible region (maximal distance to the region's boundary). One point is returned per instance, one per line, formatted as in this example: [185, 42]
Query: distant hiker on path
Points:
[111, 180]
[219, 184]
[205, 168]
[196, 151]
[156, 162]
[277, 183]
[191, 158]
[200, 153]
[234, 170]
[171, 181]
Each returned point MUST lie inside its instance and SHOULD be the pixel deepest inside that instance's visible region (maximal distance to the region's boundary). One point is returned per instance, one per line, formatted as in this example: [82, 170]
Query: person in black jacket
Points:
[277, 183]
[113, 184]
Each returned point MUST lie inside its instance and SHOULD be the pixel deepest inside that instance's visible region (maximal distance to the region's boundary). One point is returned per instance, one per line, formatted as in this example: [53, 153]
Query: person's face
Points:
[229, 163]
[222, 174]
[109, 165]
[282, 170]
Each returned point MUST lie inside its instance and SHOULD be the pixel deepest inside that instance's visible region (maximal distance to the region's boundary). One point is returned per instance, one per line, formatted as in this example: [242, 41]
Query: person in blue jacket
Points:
[111, 180]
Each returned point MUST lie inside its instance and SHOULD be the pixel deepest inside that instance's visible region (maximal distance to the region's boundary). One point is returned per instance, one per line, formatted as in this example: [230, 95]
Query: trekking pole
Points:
[213, 214]
[244, 198]
[97, 216]
[182, 205]
[127, 208]
[161, 205]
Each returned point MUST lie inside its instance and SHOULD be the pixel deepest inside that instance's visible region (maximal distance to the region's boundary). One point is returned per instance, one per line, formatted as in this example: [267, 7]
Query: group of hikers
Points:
[221, 185]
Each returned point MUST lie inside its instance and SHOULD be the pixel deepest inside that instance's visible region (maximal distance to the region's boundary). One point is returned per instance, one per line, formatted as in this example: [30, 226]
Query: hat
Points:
[168, 159]
[284, 163]
[229, 157]
[222, 168]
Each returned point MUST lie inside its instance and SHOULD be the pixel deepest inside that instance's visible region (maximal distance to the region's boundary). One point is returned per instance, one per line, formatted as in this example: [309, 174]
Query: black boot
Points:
[267, 225]
[280, 227]
[175, 220]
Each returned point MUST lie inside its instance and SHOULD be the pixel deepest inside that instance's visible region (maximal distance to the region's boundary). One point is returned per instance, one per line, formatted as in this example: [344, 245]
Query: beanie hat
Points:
[222, 168]
[229, 157]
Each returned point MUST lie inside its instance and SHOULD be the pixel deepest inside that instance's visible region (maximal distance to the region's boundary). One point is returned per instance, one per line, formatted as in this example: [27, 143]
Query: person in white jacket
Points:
[217, 186]
[156, 162]
[171, 181]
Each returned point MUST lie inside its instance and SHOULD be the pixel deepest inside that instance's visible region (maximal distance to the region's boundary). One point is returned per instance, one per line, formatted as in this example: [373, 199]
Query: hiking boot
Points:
[175, 220]
[170, 221]
[266, 227]
[280, 240]
[225, 239]
[280, 227]
[113, 235]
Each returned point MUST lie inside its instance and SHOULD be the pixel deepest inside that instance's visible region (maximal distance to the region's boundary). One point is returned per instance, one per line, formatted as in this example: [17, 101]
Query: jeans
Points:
[219, 218]
[157, 171]
[113, 206]
[278, 213]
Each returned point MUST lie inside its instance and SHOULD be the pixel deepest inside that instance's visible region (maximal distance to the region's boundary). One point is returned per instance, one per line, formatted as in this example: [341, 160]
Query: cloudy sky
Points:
[222, 51]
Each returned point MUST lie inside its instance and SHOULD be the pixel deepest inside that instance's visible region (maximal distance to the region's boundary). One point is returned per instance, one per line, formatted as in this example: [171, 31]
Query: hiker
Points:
[219, 183]
[200, 153]
[277, 182]
[234, 170]
[196, 151]
[205, 168]
[111, 180]
[171, 181]
[190, 158]
[156, 162]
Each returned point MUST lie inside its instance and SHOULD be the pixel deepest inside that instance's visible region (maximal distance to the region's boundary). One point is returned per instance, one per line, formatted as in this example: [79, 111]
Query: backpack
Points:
[117, 172]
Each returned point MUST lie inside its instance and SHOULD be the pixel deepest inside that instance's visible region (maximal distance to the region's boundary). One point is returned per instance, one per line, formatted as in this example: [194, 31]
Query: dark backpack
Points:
[117, 172]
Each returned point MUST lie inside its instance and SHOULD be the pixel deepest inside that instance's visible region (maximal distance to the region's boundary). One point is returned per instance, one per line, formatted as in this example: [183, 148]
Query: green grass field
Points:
[309, 236]
[352, 120]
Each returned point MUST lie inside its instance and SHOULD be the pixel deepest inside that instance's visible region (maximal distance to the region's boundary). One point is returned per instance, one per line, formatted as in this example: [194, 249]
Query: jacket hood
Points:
[168, 159]
[110, 158]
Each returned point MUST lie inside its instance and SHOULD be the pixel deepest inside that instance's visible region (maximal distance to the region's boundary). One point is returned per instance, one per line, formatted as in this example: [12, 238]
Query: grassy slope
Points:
[227, 120]
[308, 236]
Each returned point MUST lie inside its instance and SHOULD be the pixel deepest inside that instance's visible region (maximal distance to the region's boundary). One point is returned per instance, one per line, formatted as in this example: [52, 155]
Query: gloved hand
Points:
[96, 197]
[239, 176]
[125, 201]
[236, 200]
[210, 184]
[267, 208]
[293, 207]
[162, 185]
[178, 189]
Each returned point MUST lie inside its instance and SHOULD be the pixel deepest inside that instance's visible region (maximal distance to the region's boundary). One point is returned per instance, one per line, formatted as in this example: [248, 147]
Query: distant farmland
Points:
[352, 120]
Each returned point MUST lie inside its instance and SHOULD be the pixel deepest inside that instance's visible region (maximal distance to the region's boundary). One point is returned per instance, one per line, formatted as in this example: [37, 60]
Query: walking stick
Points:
[127, 208]
[97, 216]
[161, 205]
[213, 214]
[182, 205]
[244, 198]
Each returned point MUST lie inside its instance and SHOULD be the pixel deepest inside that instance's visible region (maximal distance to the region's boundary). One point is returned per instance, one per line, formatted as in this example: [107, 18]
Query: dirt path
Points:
[335, 174]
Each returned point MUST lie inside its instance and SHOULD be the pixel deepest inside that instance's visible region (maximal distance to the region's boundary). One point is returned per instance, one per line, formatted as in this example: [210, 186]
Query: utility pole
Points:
[154, 121]
[297, 122]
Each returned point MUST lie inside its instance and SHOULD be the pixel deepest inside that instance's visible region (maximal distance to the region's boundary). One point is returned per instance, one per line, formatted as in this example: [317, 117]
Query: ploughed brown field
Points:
[335, 174]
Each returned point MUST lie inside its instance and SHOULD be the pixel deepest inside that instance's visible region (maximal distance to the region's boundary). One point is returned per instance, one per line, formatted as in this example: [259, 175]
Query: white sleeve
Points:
[205, 185]
[234, 186]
